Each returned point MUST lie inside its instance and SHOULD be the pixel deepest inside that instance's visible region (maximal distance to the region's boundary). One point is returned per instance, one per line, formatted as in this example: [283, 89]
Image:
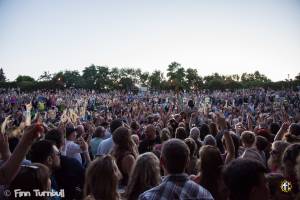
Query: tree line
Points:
[177, 78]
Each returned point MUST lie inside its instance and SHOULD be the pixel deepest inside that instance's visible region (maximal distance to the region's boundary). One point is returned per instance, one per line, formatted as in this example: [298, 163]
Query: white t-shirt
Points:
[73, 150]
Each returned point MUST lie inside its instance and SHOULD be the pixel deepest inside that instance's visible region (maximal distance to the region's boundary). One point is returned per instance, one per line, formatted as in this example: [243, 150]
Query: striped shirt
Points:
[177, 186]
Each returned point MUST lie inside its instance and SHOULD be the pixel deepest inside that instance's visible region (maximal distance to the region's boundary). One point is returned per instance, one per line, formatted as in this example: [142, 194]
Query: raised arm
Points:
[227, 137]
[282, 131]
[10, 168]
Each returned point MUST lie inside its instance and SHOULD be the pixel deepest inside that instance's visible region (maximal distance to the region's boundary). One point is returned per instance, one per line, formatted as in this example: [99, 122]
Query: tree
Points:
[46, 76]
[114, 78]
[144, 78]
[89, 76]
[193, 80]
[176, 75]
[72, 78]
[297, 77]
[102, 77]
[24, 78]
[155, 80]
[2, 75]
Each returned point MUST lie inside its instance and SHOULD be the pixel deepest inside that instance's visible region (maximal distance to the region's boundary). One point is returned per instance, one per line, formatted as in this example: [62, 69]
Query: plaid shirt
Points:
[177, 187]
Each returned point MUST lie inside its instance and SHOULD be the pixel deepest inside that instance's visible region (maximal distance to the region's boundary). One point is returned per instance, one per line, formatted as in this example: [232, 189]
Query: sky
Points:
[228, 37]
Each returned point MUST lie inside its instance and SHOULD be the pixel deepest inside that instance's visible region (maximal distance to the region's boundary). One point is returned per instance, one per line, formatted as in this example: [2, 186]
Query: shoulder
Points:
[153, 194]
[198, 190]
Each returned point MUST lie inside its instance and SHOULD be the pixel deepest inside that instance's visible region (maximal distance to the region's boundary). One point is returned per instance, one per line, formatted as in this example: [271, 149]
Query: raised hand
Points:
[32, 132]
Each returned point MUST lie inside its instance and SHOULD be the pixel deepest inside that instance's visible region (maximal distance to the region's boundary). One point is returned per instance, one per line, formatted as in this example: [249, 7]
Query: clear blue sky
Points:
[213, 36]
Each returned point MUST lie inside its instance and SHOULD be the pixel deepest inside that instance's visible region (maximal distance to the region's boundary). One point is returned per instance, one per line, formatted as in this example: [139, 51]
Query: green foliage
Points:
[24, 78]
[103, 78]
[2, 76]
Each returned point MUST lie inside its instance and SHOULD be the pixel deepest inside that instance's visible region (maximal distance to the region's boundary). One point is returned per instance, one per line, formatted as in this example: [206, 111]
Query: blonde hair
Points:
[101, 179]
[145, 175]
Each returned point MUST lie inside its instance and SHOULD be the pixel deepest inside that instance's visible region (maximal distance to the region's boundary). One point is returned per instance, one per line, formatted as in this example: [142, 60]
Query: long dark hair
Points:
[211, 164]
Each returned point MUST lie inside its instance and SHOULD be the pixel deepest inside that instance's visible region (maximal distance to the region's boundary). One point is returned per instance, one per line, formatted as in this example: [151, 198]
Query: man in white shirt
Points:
[73, 149]
[106, 145]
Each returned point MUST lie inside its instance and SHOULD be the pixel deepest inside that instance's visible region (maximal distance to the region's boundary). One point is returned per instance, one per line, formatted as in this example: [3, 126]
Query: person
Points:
[209, 140]
[192, 166]
[70, 175]
[164, 136]
[9, 169]
[106, 145]
[210, 171]
[288, 163]
[242, 185]
[31, 177]
[101, 179]
[150, 140]
[180, 133]
[47, 153]
[262, 146]
[176, 184]
[74, 150]
[274, 161]
[144, 176]
[125, 153]
[195, 134]
[98, 138]
[248, 140]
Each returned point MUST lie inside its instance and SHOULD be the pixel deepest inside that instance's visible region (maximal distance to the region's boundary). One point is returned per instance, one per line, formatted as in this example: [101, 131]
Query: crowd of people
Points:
[79, 144]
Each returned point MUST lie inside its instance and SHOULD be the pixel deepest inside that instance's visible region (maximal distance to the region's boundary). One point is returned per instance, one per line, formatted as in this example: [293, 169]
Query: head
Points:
[56, 136]
[180, 133]
[242, 186]
[122, 137]
[210, 140]
[145, 175]
[115, 124]
[236, 143]
[123, 141]
[294, 129]
[262, 143]
[190, 142]
[71, 133]
[211, 161]
[248, 139]
[174, 156]
[101, 178]
[204, 130]
[289, 160]
[150, 132]
[99, 132]
[181, 124]
[31, 177]
[165, 135]
[210, 166]
[80, 130]
[134, 126]
[45, 152]
[277, 149]
[195, 133]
